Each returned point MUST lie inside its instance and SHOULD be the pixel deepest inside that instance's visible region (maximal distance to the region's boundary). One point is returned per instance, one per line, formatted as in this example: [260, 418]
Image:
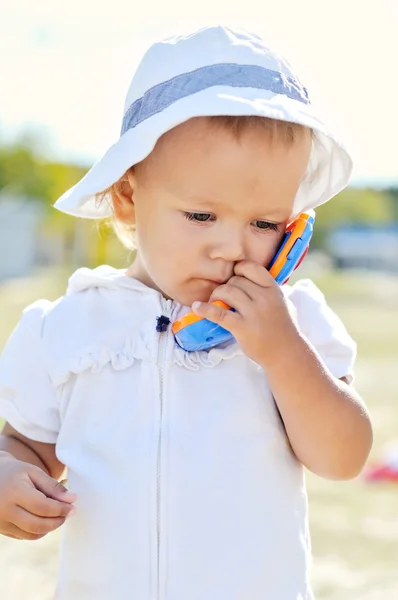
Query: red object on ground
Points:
[381, 472]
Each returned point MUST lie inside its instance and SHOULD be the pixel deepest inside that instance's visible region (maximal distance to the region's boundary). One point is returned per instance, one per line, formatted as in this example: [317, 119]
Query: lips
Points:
[217, 281]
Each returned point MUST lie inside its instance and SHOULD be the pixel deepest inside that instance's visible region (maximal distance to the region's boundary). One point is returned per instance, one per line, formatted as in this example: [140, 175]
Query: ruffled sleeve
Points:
[27, 398]
[323, 328]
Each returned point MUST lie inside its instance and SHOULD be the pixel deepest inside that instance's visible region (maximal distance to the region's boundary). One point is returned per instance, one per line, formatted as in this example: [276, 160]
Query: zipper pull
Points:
[162, 323]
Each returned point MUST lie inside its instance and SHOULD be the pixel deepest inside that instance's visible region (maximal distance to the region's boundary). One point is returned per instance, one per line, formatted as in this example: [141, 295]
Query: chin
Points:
[188, 298]
[192, 291]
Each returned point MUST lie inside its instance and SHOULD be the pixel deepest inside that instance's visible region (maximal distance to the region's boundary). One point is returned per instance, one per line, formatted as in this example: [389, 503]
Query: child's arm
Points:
[32, 500]
[36, 453]
[326, 421]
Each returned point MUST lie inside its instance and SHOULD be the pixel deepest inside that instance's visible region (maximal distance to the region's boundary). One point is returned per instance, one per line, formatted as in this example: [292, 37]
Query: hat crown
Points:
[214, 71]
[176, 55]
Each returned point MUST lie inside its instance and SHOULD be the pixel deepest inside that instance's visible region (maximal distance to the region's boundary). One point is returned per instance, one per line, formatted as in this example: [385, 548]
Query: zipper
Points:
[166, 310]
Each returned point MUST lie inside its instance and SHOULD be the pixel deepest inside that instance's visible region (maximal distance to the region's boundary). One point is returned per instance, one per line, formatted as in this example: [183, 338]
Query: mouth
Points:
[216, 281]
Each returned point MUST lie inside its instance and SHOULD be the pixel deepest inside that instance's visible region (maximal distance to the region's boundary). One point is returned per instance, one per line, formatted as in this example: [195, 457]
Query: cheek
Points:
[188, 236]
[154, 226]
[167, 239]
[265, 247]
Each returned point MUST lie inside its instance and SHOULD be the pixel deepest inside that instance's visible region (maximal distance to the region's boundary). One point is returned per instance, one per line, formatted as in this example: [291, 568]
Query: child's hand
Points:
[263, 322]
[31, 503]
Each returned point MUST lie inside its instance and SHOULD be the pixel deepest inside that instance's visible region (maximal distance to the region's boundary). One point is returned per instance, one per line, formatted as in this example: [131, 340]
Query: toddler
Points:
[185, 469]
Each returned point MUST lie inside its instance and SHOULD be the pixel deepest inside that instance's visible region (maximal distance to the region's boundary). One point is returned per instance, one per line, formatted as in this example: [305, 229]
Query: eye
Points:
[266, 225]
[199, 217]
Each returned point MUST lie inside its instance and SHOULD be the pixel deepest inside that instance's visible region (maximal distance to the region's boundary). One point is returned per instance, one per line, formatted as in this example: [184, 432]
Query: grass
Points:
[354, 525]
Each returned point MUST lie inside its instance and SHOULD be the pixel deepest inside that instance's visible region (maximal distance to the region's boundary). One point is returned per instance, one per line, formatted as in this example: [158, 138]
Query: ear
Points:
[123, 198]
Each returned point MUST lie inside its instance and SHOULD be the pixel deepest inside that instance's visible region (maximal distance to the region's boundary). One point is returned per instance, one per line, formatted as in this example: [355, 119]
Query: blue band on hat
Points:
[166, 93]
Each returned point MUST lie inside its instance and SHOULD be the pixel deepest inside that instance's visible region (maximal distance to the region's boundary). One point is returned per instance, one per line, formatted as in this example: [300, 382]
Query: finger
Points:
[50, 487]
[234, 296]
[16, 533]
[228, 319]
[33, 524]
[35, 502]
[248, 287]
[13, 537]
[255, 273]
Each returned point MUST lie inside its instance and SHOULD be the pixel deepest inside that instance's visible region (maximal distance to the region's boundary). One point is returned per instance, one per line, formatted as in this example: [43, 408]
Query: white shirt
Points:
[187, 488]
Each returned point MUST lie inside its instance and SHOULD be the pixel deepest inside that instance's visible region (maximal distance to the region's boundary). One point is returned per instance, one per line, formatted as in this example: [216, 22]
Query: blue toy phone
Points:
[196, 333]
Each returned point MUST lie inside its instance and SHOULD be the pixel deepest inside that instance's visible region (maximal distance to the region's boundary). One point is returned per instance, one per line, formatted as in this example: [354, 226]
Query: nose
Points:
[229, 245]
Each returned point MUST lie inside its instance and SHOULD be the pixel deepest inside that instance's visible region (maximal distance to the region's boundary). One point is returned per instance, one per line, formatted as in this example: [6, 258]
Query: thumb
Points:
[218, 312]
[50, 487]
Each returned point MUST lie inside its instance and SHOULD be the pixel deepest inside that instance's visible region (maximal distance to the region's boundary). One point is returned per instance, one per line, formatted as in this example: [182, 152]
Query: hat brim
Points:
[329, 169]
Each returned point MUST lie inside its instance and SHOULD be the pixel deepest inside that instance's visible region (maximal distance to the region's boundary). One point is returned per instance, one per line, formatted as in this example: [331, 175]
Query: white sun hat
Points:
[214, 71]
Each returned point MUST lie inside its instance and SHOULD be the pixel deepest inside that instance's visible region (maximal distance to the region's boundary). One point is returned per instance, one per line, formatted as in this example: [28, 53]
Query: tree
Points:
[393, 195]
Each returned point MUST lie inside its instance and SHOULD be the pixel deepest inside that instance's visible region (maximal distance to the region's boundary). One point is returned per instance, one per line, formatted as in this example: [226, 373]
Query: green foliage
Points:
[354, 205]
[24, 172]
[393, 197]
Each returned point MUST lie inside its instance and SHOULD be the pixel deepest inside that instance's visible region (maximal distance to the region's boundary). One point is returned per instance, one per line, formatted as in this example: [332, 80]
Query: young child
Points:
[186, 468]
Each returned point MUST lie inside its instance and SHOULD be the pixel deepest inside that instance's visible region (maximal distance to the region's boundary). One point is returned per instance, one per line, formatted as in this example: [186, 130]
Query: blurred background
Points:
[64, 74]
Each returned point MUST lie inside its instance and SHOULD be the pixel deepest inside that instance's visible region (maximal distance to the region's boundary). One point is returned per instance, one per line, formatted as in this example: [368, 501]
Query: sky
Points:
[65, 67]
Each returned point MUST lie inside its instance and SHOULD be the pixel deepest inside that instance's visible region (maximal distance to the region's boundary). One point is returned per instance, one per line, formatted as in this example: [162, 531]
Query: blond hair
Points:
[277, 131]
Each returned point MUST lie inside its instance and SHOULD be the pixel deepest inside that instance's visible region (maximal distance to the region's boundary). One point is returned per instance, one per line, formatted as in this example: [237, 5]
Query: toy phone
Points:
[196, 333]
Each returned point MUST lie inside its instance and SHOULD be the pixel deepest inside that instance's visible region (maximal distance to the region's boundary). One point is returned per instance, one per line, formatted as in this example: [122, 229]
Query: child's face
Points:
[205, 200]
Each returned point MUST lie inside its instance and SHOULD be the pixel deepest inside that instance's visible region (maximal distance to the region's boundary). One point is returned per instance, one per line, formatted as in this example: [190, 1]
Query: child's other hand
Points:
[31, 502]
[264, 321]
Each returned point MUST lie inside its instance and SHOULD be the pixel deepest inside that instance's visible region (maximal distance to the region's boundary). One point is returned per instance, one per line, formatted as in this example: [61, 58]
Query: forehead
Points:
[212, 166]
